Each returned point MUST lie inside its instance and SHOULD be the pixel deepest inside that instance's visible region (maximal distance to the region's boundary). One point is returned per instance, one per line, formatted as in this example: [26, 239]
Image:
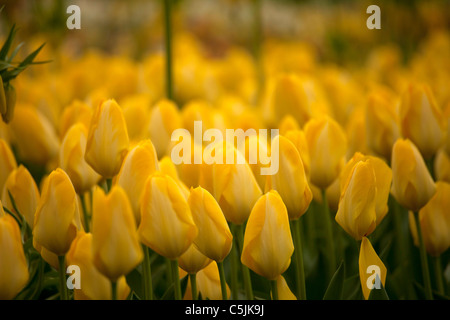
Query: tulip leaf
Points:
[378, 294]
[336, 286]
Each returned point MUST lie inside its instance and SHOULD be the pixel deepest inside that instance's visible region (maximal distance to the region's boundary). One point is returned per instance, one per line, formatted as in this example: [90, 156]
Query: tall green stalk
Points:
[331, 254]
[146, 268]
[62, 278]
[193, 280]
[298, 256]
[223, 283]
[423, 260]
[239, 237]
[176, 279]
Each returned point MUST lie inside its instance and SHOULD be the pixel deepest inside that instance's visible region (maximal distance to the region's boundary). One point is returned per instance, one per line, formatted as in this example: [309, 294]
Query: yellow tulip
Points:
[442, 165]
[208, 282]
[268, 244]
[434, 221]
[93, 284]
[290, 180]
[76, 112]
[136, 111]
[192, 260]
[72, 161]
[370, 266]
[421, 119]
[107, 142]
[7, 162]
[382, 125]
[167, 225]
[412, 184]
[356, 212]
[57, 218]
[327, 146]
[34, 136]
[140, 162]
[258, 159]
[164, 119]
[383, 181]
[214, 237]
[298, 138]
[23, 189]
[234, 186]
[288, 123]
[13, 267]
[115, 243]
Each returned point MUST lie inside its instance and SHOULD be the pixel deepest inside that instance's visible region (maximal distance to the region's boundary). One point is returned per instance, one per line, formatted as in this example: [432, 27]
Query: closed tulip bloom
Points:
[382, 125]
[208, 282]
[434, 220]
[23, 189]
[107, 142]
[72, 161]
[421, 120]
[290, 180]
[327, 146]
[234, 186]
[412, 184]
[383, 181]
[13, 265]
[167, 225]
[140, 162]
[192, 260]
[214, 237]
[164, 119]
[268, 244]
[94, 285]
[298, 138]
[7, 162]
[370, 265]
[356, 212]
[57, 216]
[115, 243]
[442, 165]
[76, 112]
[34, 136]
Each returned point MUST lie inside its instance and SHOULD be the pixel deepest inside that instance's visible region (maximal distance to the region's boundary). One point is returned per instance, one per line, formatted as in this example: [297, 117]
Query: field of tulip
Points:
[99, 202]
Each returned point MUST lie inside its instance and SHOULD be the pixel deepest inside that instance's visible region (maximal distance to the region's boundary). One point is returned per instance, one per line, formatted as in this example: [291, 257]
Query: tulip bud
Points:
[107, 142]
[23, 189]
[76, 112]
[192, 260]
[57, 218]
[421, 119]
[167, 225]
[412, 184]
[234, 186]
[71, 159]
[139, 163]
[370, 266]
[136, 110]
[94, 285]
[7, 162]
[382, 125]
[290, 180]
[288, 123]
[268, 244]
[327, 145]
[115, 243]
[208, 282]
[434, 221]
[34, 136]
[214, 237]
[13, 267]
[297, 137]
[442, 165]
[164, 119]
[356, 212]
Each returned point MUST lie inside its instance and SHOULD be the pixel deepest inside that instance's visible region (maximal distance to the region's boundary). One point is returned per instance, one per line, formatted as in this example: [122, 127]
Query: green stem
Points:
[298, 256]
[193, 280]
[331, 254]
[113, 290]
[85, 213]
[234, 268]
[146, 268]
[168, 42]
[176, 279]
[62, 278]
[245, 270]
[274, 289]
[423, 259]
[438, 274]
[223, 283]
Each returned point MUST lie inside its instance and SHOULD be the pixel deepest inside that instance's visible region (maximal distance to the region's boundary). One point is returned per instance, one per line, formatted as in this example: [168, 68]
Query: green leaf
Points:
[29, 59]
[378, 294]
[7, 45]
[336, 286]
